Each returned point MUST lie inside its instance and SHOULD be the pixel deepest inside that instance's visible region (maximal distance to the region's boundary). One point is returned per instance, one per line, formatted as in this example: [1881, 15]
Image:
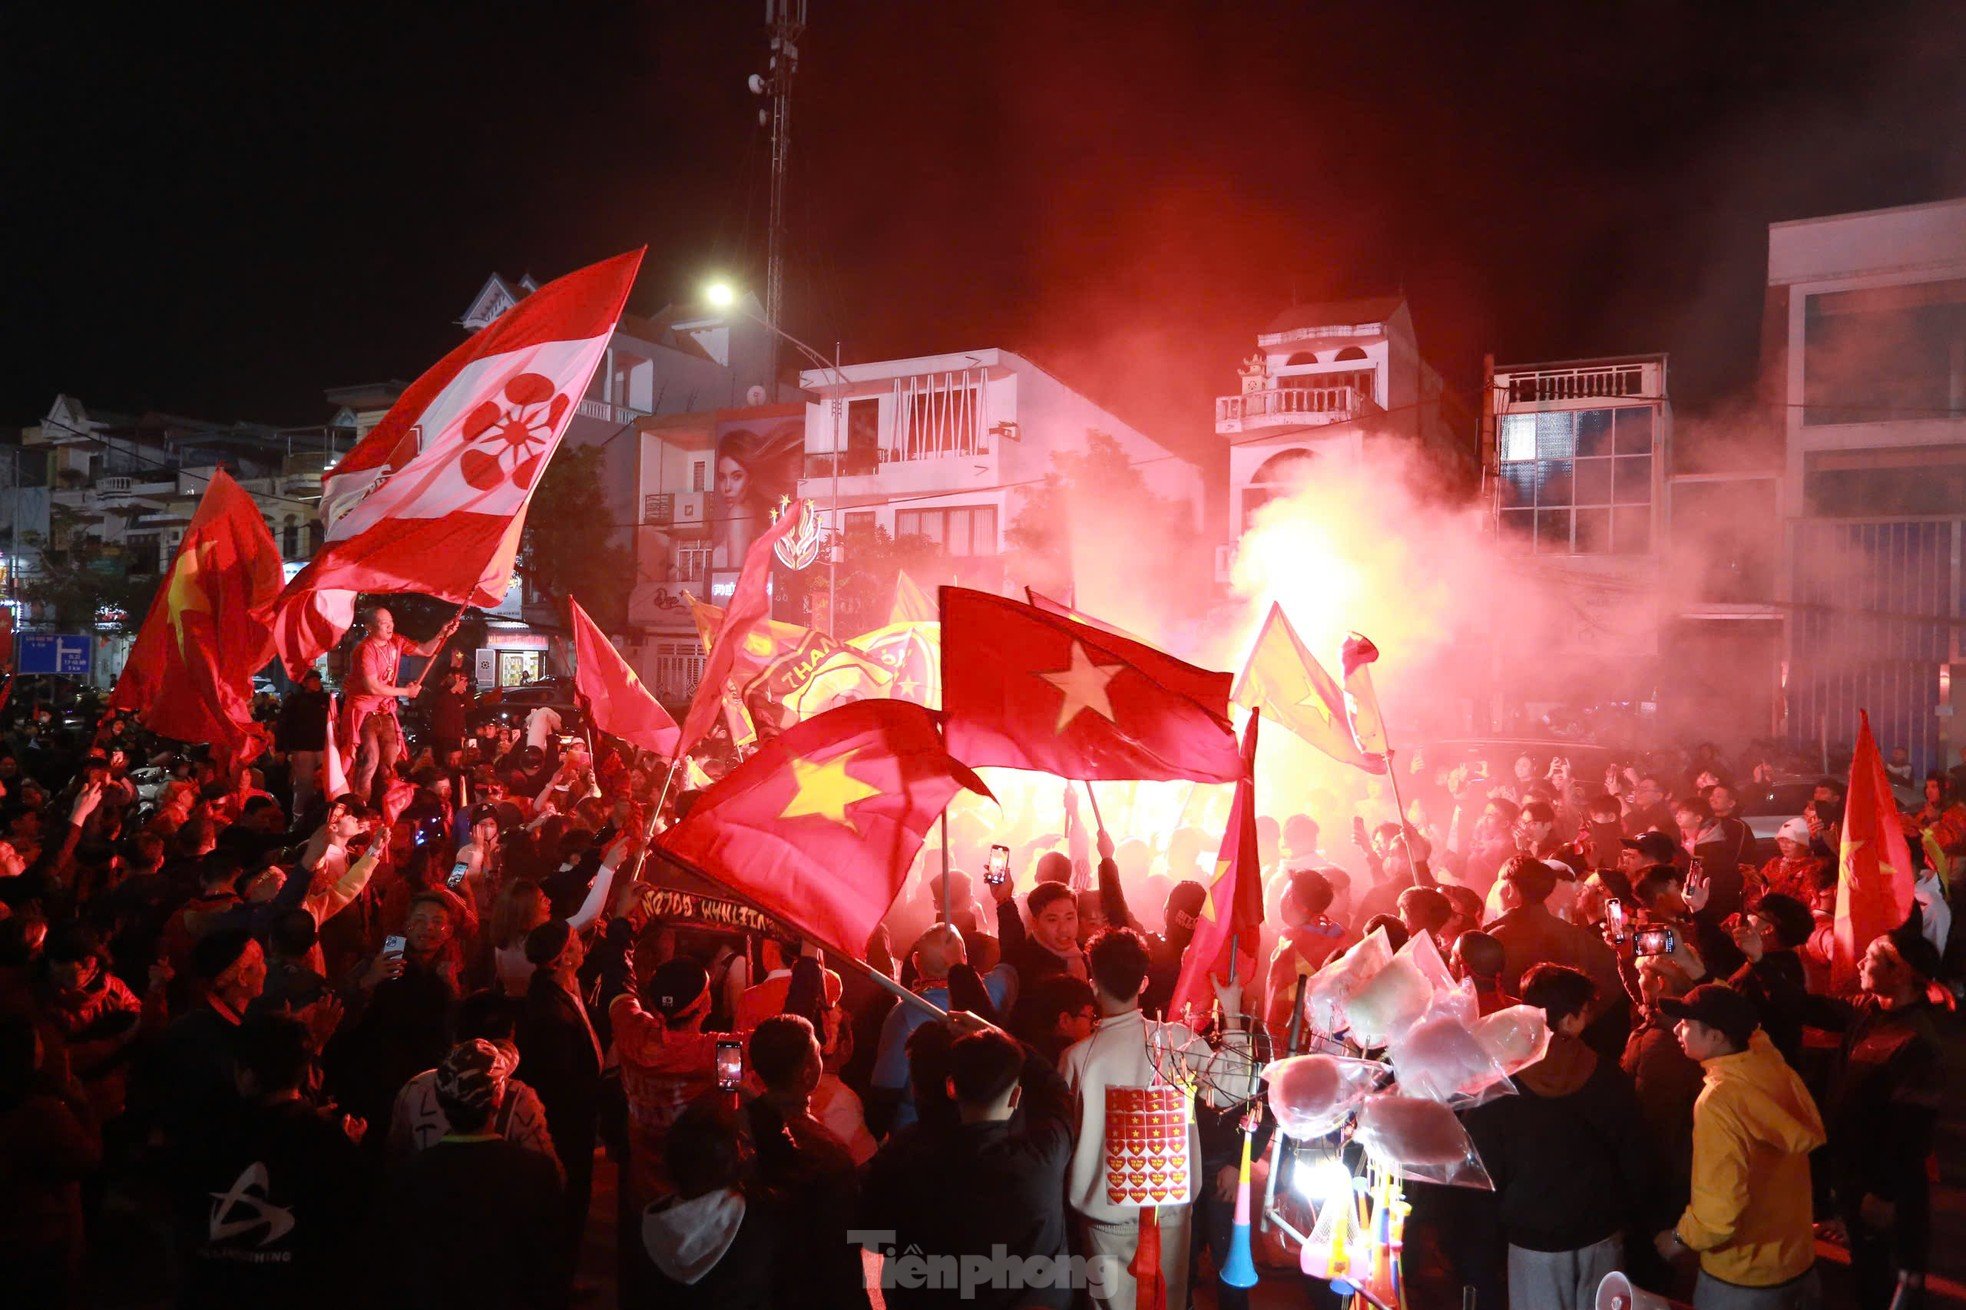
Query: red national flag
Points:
[1874, 882]
[1027, 689]
[190, 671]
[1234, 908]
[748, 611]
[616, 699]
[433, 500]
[820, 826]
[1065, 610]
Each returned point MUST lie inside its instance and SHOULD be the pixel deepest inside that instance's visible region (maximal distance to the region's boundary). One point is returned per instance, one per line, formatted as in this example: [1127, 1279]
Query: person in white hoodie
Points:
[717, 1241]
[1117, 1056]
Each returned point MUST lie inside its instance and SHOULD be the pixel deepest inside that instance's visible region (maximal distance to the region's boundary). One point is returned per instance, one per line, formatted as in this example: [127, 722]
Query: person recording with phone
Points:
[799, 1157]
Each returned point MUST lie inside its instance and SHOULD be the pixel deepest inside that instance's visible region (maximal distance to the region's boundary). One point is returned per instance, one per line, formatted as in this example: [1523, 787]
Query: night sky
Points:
[222, 210]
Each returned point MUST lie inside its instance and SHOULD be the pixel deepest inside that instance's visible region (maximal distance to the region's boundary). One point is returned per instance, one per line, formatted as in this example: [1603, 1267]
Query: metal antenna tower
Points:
[786, 21]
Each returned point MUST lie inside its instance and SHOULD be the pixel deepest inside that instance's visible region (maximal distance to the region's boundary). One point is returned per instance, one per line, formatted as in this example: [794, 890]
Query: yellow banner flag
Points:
[1286, 683]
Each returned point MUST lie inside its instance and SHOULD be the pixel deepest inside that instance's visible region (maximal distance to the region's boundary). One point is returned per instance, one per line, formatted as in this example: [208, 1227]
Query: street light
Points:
[721, 295]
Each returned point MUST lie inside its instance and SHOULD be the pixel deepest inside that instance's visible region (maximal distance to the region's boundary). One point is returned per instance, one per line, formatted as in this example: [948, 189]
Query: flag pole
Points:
[853, 962]
[667, 778]
[1097, 818]
[944, 821]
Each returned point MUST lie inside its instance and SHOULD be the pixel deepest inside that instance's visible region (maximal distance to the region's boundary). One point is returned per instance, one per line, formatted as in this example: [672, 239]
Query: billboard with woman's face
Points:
[759, 461]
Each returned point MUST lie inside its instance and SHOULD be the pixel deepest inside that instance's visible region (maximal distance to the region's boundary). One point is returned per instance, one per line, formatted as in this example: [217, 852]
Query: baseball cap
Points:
[483, 810]
[1655, 847]
[1796, 830]
[1720, 1008]
[676, 985]
[472, 1076]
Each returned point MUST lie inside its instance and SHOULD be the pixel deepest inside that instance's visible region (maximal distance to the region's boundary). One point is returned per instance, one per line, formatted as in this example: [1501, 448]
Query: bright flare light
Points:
[1322, 1182]
[720, 295]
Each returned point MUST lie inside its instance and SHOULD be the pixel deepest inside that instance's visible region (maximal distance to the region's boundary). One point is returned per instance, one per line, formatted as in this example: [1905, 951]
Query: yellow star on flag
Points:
[1314, 701]
[825, 789]
[1084, 686]
[186, 595]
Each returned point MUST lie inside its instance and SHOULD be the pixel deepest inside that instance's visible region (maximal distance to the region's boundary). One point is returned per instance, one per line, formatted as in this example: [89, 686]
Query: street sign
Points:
[66, 654]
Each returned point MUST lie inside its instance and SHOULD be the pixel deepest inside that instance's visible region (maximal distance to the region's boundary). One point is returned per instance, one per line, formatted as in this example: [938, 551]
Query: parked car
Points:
[1765, 806]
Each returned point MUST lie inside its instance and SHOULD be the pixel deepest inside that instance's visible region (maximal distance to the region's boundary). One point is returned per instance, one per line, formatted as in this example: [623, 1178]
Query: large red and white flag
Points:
[433, 500]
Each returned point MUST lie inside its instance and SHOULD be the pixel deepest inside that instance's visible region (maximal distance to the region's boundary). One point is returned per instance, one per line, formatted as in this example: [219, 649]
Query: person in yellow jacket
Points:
[1753, 1129]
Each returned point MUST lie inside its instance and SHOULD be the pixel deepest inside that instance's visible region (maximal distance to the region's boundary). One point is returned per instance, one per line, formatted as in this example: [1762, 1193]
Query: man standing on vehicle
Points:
[371, 692]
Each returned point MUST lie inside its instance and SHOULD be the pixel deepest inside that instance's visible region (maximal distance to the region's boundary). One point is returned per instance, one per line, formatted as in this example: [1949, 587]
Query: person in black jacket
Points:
[301, 733]
[270, 1212]
[561, 1054]
[800, 1159]
[1773, 977]
[1568, 1156]
[719, 1241]
[991, 1185]
[470, 1221]
[1881, 1112]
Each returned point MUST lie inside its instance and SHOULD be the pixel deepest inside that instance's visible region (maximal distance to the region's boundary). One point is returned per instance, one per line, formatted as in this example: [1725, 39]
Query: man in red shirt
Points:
[368, 712]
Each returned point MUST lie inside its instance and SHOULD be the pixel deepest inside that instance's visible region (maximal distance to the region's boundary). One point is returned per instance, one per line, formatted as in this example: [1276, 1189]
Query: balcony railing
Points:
[1604, 382]
[114, 486]
[1291, 404]
[606, 413]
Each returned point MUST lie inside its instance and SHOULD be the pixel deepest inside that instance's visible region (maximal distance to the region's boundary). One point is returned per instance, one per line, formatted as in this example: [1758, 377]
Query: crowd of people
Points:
[263, 1044]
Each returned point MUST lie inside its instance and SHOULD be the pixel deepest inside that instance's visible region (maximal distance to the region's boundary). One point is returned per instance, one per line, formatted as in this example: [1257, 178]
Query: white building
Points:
[1325, 381]
[1865, 329]
[934, 447]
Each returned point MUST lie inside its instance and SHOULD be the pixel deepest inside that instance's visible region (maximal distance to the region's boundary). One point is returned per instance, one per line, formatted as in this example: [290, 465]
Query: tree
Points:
[1093, 519]
[568, 548]
[90, 576]
[870, 562]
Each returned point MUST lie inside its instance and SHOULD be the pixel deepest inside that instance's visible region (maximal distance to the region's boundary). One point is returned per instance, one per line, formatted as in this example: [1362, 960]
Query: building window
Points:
[963, 531]
[290, 537]
[698, 471]
[1579, 481]
[1350, 353]
[863, 437]
[1359, 380]
[691, 563]
[316, 536]
[1899, 482]
[859, 523]
[939, 415]
[1883, 354]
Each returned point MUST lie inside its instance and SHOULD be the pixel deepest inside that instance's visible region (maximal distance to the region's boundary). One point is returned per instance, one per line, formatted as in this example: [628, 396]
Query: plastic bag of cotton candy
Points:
[1373, 995]
[1422, 1139]
[1437, 1055]
[1462, 1061]
[1311, 1095]
[1328, 995]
